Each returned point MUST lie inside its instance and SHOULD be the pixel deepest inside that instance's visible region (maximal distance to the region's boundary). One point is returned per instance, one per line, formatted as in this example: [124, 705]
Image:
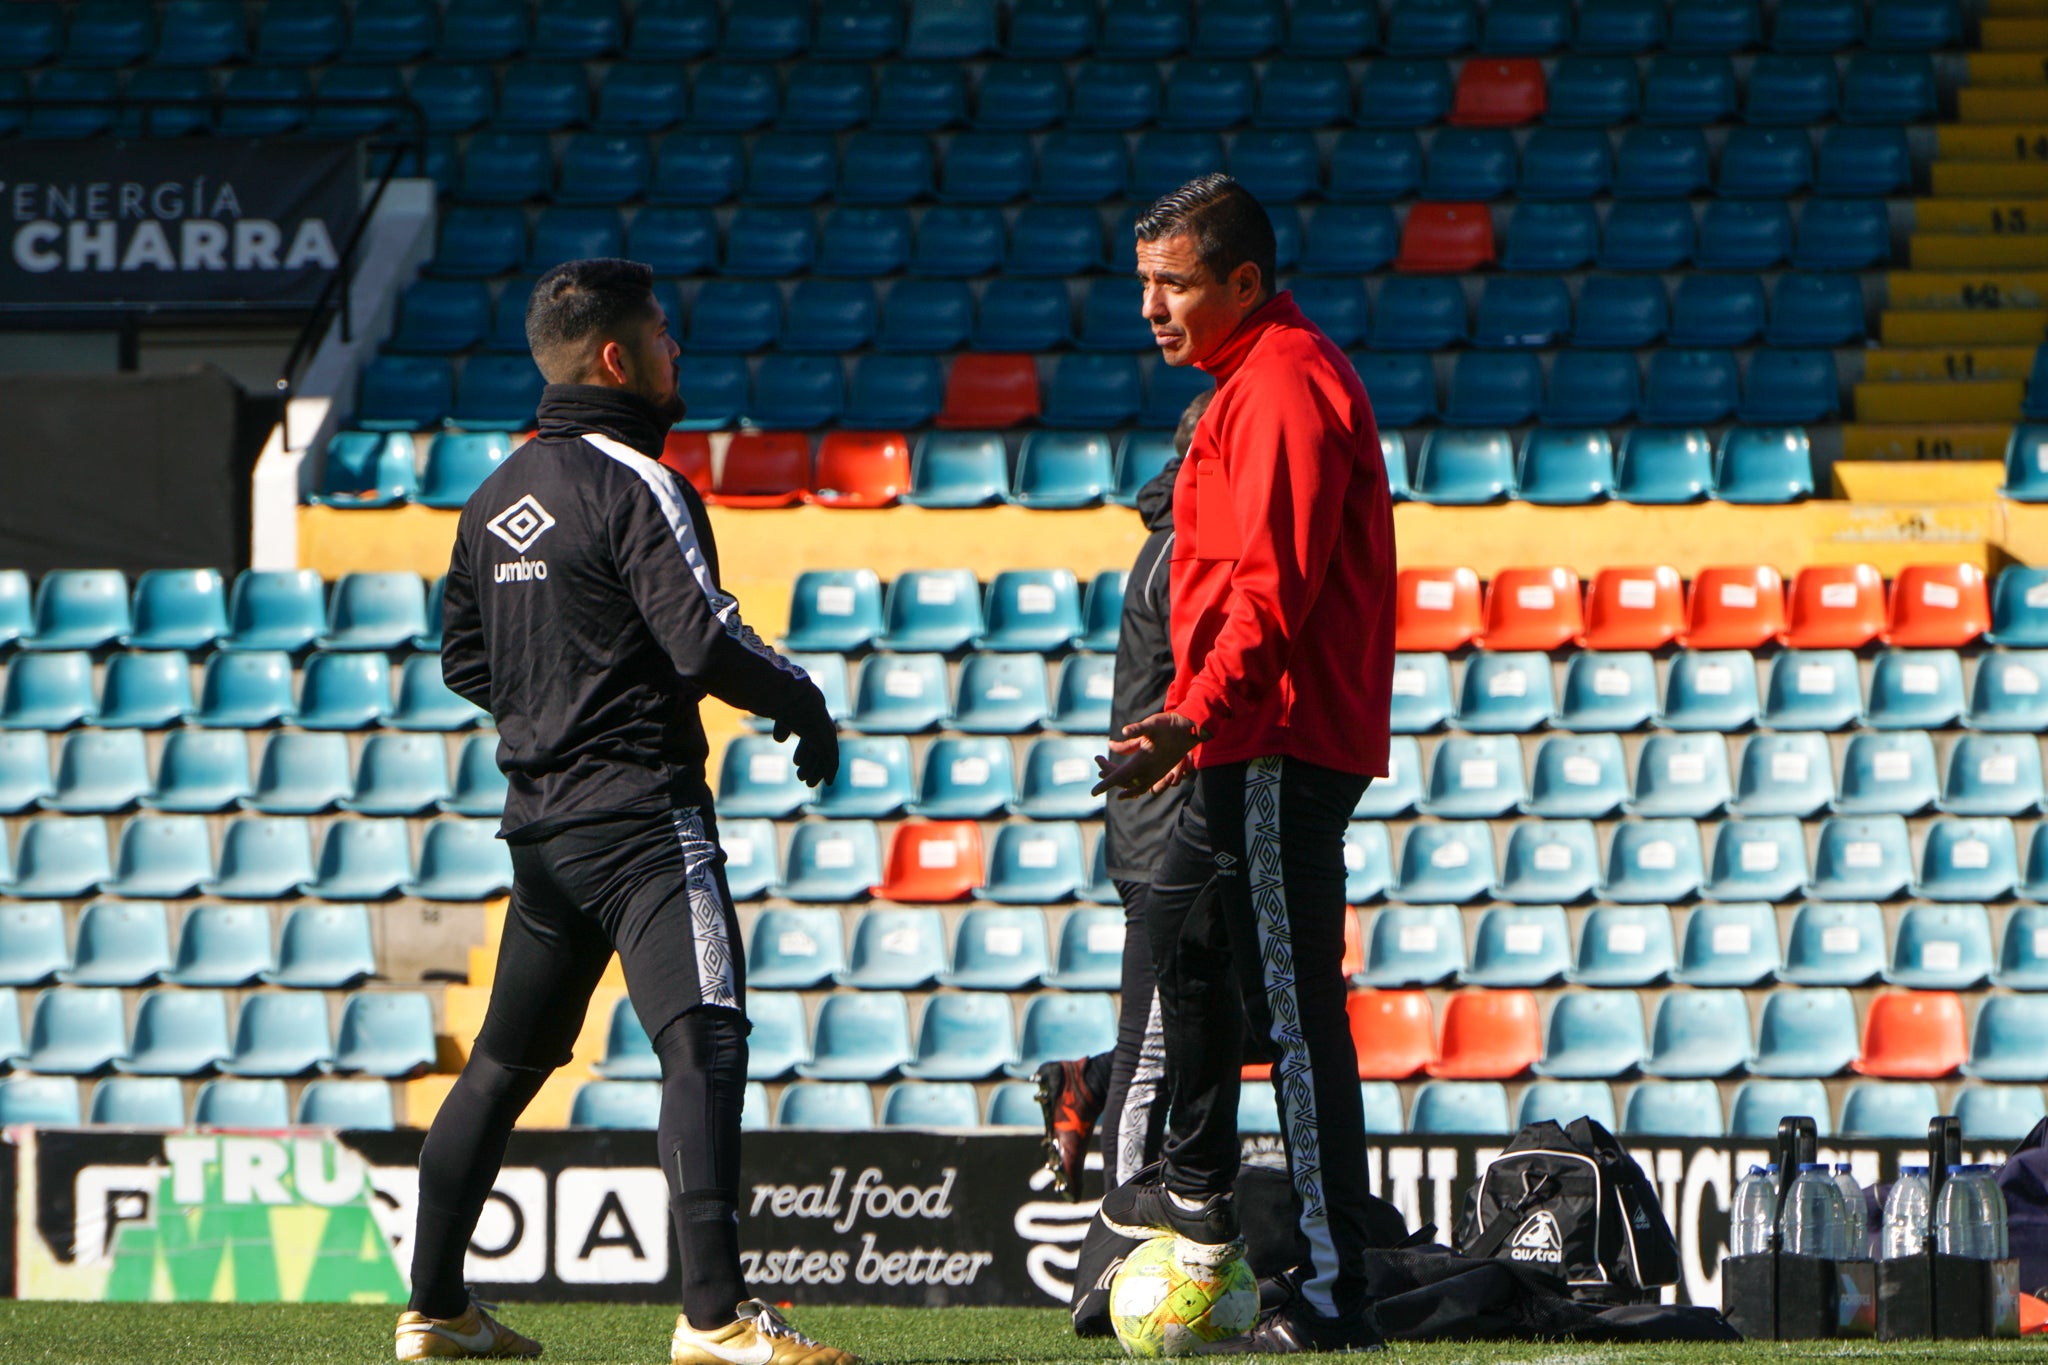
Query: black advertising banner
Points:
[902, 1218]
[190, 223]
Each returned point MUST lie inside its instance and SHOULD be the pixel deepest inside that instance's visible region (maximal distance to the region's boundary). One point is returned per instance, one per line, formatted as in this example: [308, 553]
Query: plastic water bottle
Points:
[1993, 1213]
[1960, 1216]
[1754, 1213]
[1854, 1241]
[1812, 1212]
[1905, 1215]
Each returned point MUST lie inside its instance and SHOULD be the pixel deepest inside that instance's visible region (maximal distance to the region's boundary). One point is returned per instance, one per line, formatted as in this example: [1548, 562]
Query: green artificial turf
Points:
[317, 1334]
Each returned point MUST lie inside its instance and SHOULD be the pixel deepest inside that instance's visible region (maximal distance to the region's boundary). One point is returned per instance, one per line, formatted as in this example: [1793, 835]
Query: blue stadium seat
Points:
[24, 770]
[996, 168]
[1021, 95]
[1577, 778]
[1647, 235]
[1608, 691]
[456, 97]
[834, 611]
[794, 949]
[826, 1104]
[1661, 164]
[72, 117]
[1862, 858]
[388, 1034]
[733, 96]
[1808, 1032]
[1089, 954]
[1888, 88]
[1102, 611]
[1619, 26]
[1699, 1035]
[1621, 311]
[931, 610]
[480, 785]
[1456, 1107]
[1304, 93]
[482, 31]
[425, 702]
[790, 168]
[920, 97]
[1816, 26]
[900, 694]
[1056, 778]
[1368, 862]
[47, 692]
[79, 609]
[440, 317]
[460, 860]
[1403, 387]
[1592, 388]
[1593, 1035]
[617, 1105]
[596, 168]
[360, 1106]
[1914, 25]
[1816, 310]
[1673, 1109]
[506, 168]
[695, 169]
[178, 1033]
[1941, 947]
[1474, 777]
[2019, 602]
[892, 392]
[1915, 689]
[1119, 95]
[998, 950]
[1398, 792]
[1681, 776]
[1431, 27]
[1081, 698]
[1337, 306]
[2010, 691]
[1888, 1109]
[1022, 315]
[59, 856]
[1445, 864]
[924, 316]
[1887, 774]
[120, 943]
[735, 316]
[1562, 1102]
[1058, 1026]
[1419, 313]
[1208, 94]
[31, 34]
[2035, 878]
[1519, 311]
[1717, 310]
[137, 1102]
[1422, 694]
[1715, 25]
[1525, 27]
[1787, 774]
[1812, 689]
[2002, 1114]
[1772, 465]
[1470, 164]
[161, 856]
[1591, 92]
[1465, 468]
[375, 611]
[480, 242]
[2005, 1041]
[1790, 90]
[1413, 946]
[1834, 945]
[280, 1035]
[1565, 163]
[1093, 391]
[642, 98]
[222, 946]
[1369, 166]
[1731, 944]
[200, 771]
[832, 861]
[1062, 470]
[1624, 946]
[1054, 240]
[1664, 467]
[1653, 862]
[1000, 695]
[1033, 611]
[1034, 864]
[262, 101]
[874, 780]
[1688, 90]
[825, 97]
[770, 242]
[938, 1104]
[542, 97]
[1495, 388]
[1843, 234]
[458, 461]
[343, 691]
[1763, 164]
[1518, 947]
[324, 947]
[779, 1042]
[99, 772]
[1506, 693]
[1404, 93]
[75, 1032]
[1992, 775]
[361, 860]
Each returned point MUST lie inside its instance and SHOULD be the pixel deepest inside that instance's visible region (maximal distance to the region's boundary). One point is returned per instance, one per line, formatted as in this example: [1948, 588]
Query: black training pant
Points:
[651, 888]
[1250, 896]
[1133, 1112]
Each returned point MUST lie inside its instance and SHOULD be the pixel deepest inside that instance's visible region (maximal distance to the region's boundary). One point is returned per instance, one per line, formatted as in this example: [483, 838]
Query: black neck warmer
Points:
[579, 409]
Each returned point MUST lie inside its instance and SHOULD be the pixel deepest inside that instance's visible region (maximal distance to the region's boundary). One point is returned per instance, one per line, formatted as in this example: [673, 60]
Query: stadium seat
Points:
[137, 1102]
[1915, 689]
[939, 1105]
[1766, 164]
[1062, 470]
[343, 691]
[1089, 954]
[1419, 945]
[1593, 1035]
[1056, 778]
[395, 775]
[1661, 164]
[1912, 1035]
[1422, 693]
[1793, 90]
[460, 860]
[1732, 944]
[763, 469]
[178, 1033]
[1531, 609]
[1565, 164]
[161, 856]
[47, 692]
[1445, 239]
[1806, 1033]
[1888, 88]
[998, 950]
[75, 1032]
[2008, 692]
[1034, 864]
[388, 1034]
[1446, 864]
[1788, 774]
[1834, 945]
[120, 943]
[375, 611]
[1082, 697]
[1532, 27]
[932, 861]
[1660, 467]
[1477, 164]
[1999, 1113]
[2019, 608]
[1842, 234]
[1937, 605]
[1368, 862]
[1460, 1107]
[324, 947]
[1887, 774]
[1992, 775]
[1632, 608]
[926, 316]
[1000, 694]
[1566, 468]
[1474, 777]
[1405, 386]
[144, 691]
[275, 609]
[99, 772]
[1411, 93]
[794, 949]
[1019, 314]
[1888, 1111]
[750, 856]
[178, 609]
[1399, 791]
[834, 611]
[798, 391]
[1031, 611]
[1699, 1035]
[1941, 947]
[957, 470]
[931, 611]
[1513, 311]
[1610, 692]
[1717, 310]
[1506, 693]
[1524, 946]
[1464, 468]
[1816, 310]
[1684, 388]
[59, 856]
[1367, 166]
[1419, 313]
[617, 1105]
[1861, 858]
[1688, 90]
[480, 786]
[836, 861]
[1760, 1105]
[1658, 1109]
[1653, 862]
[993, 168]
[280, 1035]
[1681, 776]
[1714, 26]
[353, 1105]
[994, 391]
[1624, 946]
[900, 694]
[79, 609]
[24, 770]
[425, 701]
[1057, 1026]
[1577, 778]
[1488, 1035]
[200, 772]
[2005, 1040]
[222, 946]
[1495, 388]
[1562, 1102]
[361, 860]
[1812, 689]
[2023, 950]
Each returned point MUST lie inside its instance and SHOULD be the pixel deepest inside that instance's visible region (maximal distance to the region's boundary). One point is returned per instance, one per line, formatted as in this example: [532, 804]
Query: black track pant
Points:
[1250, 895]
[1134, 1110]
[653, 890]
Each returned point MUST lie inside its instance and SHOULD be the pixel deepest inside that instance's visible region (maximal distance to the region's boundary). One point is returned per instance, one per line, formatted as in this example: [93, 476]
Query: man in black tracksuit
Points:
[583, 610]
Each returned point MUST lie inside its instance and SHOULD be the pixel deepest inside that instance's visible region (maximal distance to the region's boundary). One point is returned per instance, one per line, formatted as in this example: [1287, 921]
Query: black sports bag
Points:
[1570, 1201]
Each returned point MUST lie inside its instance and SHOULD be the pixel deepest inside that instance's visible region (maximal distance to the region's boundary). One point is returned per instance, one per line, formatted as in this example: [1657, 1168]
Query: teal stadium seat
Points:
[895, 950]
[79, 609]
[254, 1104]
[965, 779]
[1699, 1035]
[1760, 860]
[1562, 1102]
[480, 785]
[457, 462]
[1057, 1026]
[1506, 693]
[249, 690]
[1514, 947]
[222, 946]
[178, 609]
[425, 701]
[48, 1101]
[1684, 775]
[1057, 776]
[1593, 1035]
[161, 856]
[1812, 689]
[344, 691]
[300, 774]
[1657, 1109]
[178, 1033]
[324, 947]
[862, 1036]
[1368, 862]
[145, 691]
[280, 1035]
[1624, 946]
[399, 775]
[99, 772]
[59, 856]
[361, 1106]
[1862, 858]
[1808, 1032]
[1454, 1107]
[937, 1104]
[1577, 777]
[826, 1104]
[32, 947]
[998, 950]
[1083, 695]
[874, 780]
[137, 1102]
[1834, 945]
[24, 770]
[780, 1039]
[2019, 607]
[2010, 691]
[17, 614]
[963, 1038]
[2023, 950]
[1548, 863]
[11, 1045]
[834, 611]
[275, 609]
[1038, 864]
[1413, 946]
[1784, 775]
[460, 860]
[1089, 954]
[361, 860]
[1447, 864]
[2001, 1114]
[836, 861]
[794, 949]
[200, 771]
[1653, 862]
[1941, 948]
[1258, 1107]
[262, 858]
[375, 611]
[1915, 689]
[618, 1105]
[388, 1034]
[1888, 1109]
[75, 1032]
[1474, 777]
[1969, 859]
[1733, 944]
[955, 469]
[900, 694]
[1031, 611]
[120, 943]
[1422, 694]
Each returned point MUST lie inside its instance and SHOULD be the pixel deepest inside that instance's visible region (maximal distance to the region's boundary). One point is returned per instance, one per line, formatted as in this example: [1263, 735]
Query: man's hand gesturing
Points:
[1152, 757]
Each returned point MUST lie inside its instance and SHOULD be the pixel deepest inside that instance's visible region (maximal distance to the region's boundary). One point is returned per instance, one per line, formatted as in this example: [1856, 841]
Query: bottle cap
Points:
[1957, 1170]
[1913, 1170]
[1842, 1168]
[1758, 1170]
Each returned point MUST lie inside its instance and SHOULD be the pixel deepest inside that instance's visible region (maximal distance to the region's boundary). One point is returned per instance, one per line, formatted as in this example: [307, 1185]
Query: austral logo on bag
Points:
[1537, 1240]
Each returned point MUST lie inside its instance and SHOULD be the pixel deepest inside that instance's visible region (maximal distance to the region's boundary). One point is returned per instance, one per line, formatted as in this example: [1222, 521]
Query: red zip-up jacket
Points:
[1283, 556]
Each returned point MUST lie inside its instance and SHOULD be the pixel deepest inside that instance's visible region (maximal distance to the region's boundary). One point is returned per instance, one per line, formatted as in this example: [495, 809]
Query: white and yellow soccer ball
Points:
[1166, 1302]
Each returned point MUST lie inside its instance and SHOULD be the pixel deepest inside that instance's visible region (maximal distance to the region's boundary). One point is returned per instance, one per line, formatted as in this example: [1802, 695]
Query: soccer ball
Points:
[1163, 1303]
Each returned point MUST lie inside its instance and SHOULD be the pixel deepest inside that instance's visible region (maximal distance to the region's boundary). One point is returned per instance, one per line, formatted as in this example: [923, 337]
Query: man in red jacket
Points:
[1283, 639]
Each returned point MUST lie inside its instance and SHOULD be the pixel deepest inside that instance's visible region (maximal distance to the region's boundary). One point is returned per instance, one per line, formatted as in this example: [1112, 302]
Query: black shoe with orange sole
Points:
[1070, 1107]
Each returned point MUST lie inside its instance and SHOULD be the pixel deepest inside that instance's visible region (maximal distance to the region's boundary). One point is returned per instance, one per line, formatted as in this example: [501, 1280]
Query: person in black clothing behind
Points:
[583, 610]
[1121, 1087]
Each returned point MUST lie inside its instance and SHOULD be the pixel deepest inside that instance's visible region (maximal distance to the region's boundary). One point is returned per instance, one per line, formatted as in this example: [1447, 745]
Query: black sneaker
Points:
[1293, 1329]
[1143, 1212]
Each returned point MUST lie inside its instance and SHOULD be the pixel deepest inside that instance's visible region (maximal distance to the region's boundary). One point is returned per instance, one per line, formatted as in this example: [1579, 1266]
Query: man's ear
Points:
[1247, 283]
[611, 363]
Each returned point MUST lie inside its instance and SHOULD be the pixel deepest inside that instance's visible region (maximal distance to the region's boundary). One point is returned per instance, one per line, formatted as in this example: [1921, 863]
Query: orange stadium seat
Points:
[932, 861]
[1835, 606]
[1498, 92]
[1938, 606]
[763, 469]
[1489, 1036]
[1445, 239]
[1394, 1032]
[1436, 611]
[861, 469]
[1913, 1035]
[1634, 608]
[1354, 947]
[1735, 606]
[990, 391]
[1532, 609]
[688, 453]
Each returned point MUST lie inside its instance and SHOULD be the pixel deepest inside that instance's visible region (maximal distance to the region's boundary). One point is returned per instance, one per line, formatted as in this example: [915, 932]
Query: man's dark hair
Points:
[578, 300]
[1190, 417]
[1228, 225]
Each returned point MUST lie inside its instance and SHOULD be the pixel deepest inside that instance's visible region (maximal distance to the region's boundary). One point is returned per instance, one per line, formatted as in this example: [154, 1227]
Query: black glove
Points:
[817, 740]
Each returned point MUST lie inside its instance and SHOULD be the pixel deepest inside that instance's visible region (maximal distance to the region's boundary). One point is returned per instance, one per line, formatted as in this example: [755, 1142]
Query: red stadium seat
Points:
[1532, 609]
[1445, 239]
[1394, 1032]
[1489, 1036]
[990, 391]
[1913, 1035]
[1735, 606]
[932, 861]
[1354, 947]
[1354, 962]
[763, 469]
[861, 469]
[1938, 606]
[1498, 92]
[1835, 606]
[1436, 611]
[688, 453]
[1635, 608]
